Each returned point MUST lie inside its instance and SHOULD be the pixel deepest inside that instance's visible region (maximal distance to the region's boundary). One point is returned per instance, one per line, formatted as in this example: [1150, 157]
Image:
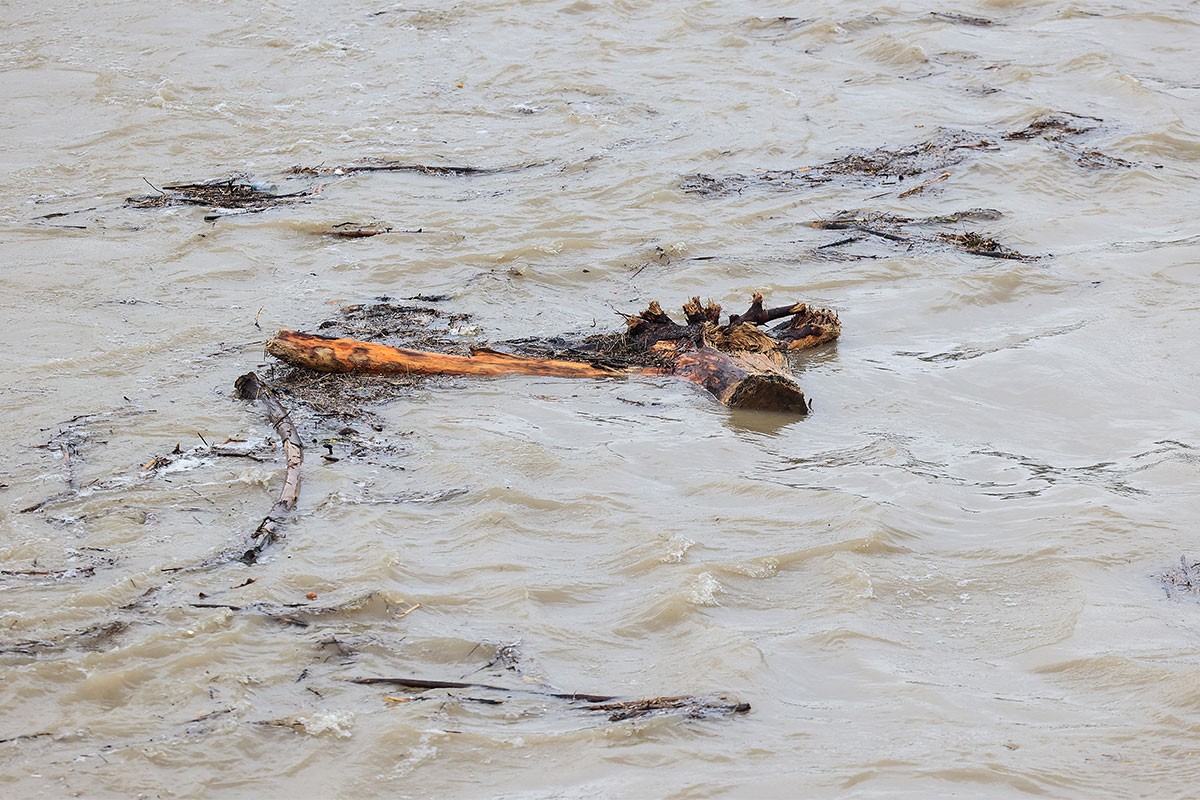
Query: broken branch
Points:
[757, 315]
[250, 387]
[324, 354]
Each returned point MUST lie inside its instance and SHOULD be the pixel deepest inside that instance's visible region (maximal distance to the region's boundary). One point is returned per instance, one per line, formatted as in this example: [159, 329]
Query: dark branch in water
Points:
[453, 170]
[895, 228]
[71, 572]
[757, 315]
[616, 707]
[354, 230]
[228, 194]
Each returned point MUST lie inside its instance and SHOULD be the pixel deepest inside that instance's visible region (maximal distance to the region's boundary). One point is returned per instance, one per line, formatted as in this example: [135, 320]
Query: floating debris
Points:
[980, 245]
[1185, 578]
[1054, 127]
[899, 230]
[934, 155]
[453, 170]
[358, 230]
[1064, 130]
[226, 196]
[962, 19]
[617, 708]
[928, 159]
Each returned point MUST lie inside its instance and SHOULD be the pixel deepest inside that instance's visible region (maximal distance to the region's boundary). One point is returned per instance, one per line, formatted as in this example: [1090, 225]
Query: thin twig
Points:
[404, 614]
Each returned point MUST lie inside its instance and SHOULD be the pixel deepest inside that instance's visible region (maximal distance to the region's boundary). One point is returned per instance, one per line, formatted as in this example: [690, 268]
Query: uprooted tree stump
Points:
[740, 364]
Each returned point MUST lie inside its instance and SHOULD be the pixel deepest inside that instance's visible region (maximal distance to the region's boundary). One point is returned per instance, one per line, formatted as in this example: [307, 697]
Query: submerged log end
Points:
[768, 392]
[747, 380]
[248, 386]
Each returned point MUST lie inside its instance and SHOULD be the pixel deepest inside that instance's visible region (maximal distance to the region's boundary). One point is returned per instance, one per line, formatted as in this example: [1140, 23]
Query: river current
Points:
[944, 581]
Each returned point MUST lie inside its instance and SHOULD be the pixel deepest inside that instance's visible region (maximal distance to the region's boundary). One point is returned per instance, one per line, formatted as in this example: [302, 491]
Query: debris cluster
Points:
[883, 166]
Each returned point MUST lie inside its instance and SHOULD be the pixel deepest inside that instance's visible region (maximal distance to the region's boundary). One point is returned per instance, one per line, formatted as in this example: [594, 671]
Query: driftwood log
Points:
[740, 364]
[325, 354]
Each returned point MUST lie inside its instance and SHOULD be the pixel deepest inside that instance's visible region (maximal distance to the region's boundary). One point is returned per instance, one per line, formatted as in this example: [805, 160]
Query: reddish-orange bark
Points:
[323, 354]
[740, 365]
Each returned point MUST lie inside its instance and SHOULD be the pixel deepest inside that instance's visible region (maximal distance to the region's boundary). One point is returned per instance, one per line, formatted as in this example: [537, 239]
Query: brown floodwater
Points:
[944, 581]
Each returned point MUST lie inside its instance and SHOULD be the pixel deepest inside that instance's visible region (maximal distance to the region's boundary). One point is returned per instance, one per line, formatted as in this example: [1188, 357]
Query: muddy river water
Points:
[945, 581]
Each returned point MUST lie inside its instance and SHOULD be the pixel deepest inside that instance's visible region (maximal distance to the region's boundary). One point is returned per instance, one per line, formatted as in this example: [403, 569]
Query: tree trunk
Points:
[739, 380]
[739, 364]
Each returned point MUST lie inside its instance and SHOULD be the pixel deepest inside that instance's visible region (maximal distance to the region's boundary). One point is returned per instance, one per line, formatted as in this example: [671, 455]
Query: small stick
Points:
[881, 234]
[409, 611]
[920, 187]
[418, 683]
[838, 243]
